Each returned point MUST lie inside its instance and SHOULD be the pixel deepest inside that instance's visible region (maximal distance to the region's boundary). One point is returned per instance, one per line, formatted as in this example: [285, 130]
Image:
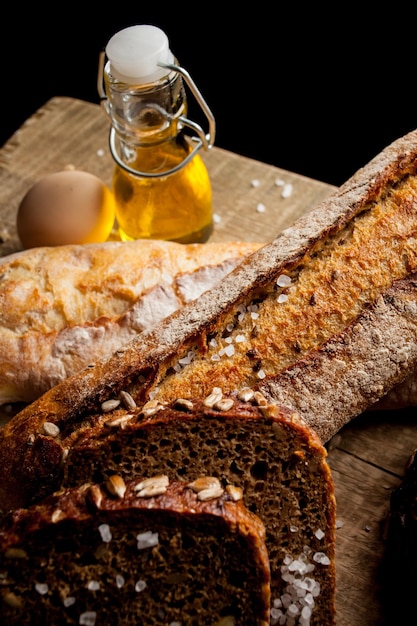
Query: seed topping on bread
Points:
[66, 562]
[154, 486]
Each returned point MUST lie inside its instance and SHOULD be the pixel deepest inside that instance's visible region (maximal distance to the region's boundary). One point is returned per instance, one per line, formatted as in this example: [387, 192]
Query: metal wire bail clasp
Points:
[201, 139]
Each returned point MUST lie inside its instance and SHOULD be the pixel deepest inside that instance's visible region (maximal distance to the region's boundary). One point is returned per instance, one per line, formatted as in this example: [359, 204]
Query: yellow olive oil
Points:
[177, 207]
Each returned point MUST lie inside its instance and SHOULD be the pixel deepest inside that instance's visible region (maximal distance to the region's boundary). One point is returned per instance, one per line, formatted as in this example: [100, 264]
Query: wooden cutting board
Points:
[367, 458]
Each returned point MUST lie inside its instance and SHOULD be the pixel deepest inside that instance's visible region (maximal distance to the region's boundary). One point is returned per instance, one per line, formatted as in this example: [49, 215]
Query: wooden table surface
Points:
[368, 456]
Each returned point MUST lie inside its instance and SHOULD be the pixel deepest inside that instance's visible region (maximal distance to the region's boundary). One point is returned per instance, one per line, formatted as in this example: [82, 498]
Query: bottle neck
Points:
[145, 114]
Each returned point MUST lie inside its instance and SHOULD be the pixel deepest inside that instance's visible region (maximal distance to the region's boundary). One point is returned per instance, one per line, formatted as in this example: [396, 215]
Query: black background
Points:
[312, 90]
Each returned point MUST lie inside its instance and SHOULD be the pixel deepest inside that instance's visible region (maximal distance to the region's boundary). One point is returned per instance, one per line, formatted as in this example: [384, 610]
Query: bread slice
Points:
[264, 450]
[64, 307]
[280, 303]
[149, 552]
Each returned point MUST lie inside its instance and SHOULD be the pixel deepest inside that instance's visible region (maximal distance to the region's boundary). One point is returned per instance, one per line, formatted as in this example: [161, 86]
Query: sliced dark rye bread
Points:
[142, 552]
[267, 451]
[282, 302]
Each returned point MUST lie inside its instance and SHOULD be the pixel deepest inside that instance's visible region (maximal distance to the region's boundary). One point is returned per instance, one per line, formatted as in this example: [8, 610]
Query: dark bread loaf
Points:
[143, 552]
[266, 451]
[287, 299]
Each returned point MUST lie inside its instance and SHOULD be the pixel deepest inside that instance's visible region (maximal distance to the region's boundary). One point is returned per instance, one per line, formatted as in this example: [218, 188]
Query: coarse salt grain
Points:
[100, 152]
[147, 539]
[309, 600]
[255, 182]
[282, 298]
[140, 586]
[42, 588]
[311, 585]
[306, 612]
[287, 577]
[261, 374]
[69, 601]
[93, 585]
[120, 581]
[186, 360]
[296, 566]
[105, 532]
[286, 190]
[319, 534]
[320, 557]
[279, 182]
[88, 618]
[276, 614]
[283, 280]
[216, 218]
[260, 207]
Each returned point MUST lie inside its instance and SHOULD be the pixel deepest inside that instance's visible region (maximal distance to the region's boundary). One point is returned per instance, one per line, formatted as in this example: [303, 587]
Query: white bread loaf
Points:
[64, 307]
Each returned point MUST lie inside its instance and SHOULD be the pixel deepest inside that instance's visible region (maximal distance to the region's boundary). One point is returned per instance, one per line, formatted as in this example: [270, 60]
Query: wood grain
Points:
[367, 458]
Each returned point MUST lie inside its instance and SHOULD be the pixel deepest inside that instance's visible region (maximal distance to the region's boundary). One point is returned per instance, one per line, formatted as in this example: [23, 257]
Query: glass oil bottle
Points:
[161, 185]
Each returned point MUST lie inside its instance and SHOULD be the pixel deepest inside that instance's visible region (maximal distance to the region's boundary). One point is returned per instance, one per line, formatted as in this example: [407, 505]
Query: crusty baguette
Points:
[340, 259]
[84, 556]
[354, 369]
[64, 307]
[401, 396]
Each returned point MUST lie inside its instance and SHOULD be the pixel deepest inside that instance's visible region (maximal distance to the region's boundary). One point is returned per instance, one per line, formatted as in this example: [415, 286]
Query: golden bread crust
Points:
[64, 307]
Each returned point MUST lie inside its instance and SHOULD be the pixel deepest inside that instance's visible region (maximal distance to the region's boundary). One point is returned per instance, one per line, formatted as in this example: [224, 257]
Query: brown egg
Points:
[68, 207]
